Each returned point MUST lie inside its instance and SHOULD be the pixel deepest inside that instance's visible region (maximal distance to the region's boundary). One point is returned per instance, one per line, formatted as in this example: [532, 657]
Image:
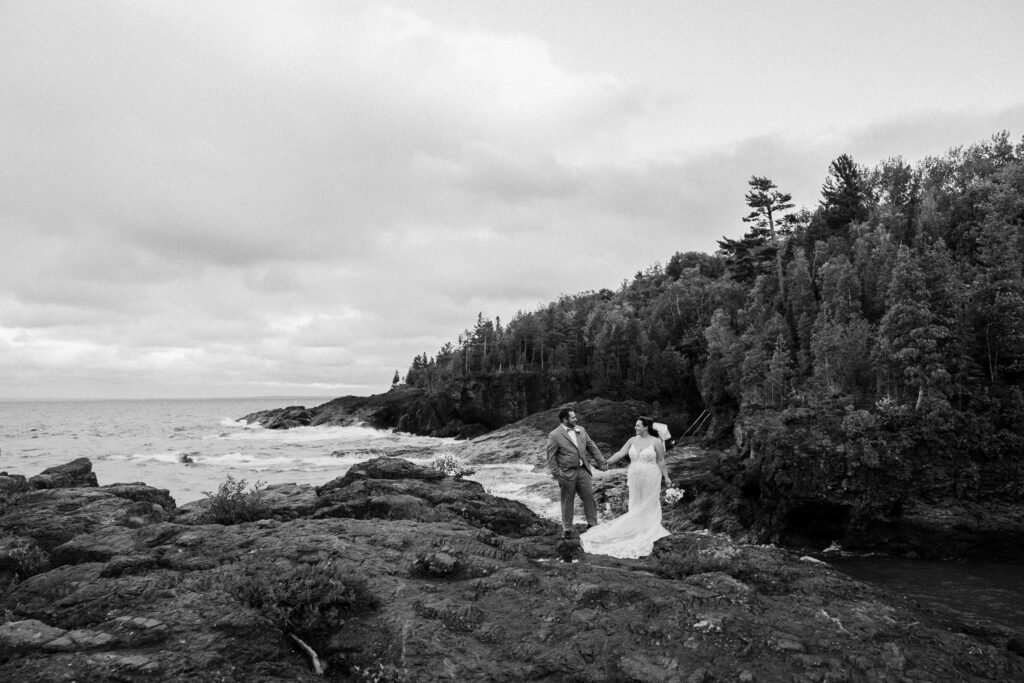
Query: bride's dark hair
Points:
[649, 423]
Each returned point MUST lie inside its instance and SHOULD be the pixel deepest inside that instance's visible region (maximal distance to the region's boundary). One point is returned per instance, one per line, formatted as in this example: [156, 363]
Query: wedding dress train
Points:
[633, 534]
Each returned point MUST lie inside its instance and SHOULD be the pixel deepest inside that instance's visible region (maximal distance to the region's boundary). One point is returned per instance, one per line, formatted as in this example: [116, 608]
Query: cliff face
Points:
[813, 479]
[395, 572]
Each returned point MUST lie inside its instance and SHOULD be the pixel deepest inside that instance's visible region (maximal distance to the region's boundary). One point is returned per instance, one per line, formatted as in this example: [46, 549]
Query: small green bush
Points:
[10, 492]
[450, 466]
[22, 557]
[234, 503]
[307, 600]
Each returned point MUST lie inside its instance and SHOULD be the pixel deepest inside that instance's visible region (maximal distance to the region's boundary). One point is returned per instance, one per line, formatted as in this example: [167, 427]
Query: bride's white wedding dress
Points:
[633, 534]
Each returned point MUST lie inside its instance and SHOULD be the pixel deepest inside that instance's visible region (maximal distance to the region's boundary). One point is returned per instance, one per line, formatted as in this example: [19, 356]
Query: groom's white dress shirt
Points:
[571, 432]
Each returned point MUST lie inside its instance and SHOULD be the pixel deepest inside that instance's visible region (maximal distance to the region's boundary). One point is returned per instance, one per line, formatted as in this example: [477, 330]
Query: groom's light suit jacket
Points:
[564, 456]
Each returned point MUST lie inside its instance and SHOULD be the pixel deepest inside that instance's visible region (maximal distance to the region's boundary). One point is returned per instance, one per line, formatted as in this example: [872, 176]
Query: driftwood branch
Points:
[318, 665]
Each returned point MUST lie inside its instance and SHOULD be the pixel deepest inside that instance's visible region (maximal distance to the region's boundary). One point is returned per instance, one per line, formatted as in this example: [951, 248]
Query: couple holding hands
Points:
[572, 458]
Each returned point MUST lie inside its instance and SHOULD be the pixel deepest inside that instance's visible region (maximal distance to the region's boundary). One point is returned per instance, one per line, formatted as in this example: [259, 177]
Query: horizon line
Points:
[166, 398]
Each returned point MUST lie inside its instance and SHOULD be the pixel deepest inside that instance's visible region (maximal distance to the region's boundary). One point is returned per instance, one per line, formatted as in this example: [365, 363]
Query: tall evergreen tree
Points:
[749, 256]
[768, 204]
[909, 336]
[844, 196]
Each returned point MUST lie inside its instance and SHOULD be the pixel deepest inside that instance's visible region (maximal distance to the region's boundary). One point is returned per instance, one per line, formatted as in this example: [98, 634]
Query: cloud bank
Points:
[243, 200]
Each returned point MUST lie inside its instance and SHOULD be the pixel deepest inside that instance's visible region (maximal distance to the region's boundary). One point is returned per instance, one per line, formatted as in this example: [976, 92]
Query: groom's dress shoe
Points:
[566, 533]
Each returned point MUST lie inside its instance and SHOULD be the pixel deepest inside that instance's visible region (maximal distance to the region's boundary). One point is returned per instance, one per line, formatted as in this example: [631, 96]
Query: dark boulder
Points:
[53, 516]
[281, 418]
[75, 473]
[382, 468]
[393, 488]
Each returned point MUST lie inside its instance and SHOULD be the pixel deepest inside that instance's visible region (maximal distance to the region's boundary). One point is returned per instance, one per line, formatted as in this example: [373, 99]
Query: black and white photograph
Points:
[551, 340]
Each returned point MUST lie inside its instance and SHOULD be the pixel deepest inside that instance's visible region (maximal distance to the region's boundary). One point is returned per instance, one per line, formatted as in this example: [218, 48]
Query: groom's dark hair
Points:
[563, 414]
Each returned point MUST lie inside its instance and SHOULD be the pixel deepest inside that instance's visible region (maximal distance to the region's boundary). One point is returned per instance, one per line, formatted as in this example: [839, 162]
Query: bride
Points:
[633, 534]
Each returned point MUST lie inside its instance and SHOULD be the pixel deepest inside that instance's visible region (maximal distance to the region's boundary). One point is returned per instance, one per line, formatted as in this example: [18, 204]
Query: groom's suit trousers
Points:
[577, 482]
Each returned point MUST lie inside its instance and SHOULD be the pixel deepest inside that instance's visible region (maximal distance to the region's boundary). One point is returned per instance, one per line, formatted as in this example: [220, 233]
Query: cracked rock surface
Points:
[419, 577]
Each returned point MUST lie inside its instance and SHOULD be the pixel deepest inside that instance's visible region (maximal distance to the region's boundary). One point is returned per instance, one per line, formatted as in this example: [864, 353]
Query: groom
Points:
[572, 457]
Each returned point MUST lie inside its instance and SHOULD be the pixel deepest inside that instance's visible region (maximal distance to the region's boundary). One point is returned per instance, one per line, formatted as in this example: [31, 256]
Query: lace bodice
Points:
[648, 454]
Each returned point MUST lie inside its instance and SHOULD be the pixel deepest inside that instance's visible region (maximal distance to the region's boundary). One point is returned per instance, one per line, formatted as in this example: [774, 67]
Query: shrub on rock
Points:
[307, 601]
[234, 503]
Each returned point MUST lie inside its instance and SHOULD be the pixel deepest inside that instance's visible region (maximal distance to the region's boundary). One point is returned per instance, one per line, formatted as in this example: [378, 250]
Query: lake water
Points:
[991, 590]
[149, 441]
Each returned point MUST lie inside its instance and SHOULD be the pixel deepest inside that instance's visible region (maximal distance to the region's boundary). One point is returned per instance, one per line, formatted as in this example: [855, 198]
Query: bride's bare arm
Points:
[620, 453]
[659, 449]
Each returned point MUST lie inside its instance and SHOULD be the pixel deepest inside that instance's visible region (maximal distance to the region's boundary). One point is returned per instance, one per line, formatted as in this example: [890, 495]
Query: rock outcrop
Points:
[609, 424]
[811, 480]
[479, 408]
[75, 473]
[393, 572]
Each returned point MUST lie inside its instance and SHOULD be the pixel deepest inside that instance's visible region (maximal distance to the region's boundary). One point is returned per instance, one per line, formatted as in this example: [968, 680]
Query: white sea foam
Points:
[171, 456]
[512, 466]
[148, 441]
[518, 481]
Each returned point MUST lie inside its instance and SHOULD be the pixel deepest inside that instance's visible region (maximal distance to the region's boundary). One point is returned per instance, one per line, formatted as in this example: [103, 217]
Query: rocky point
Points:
[395, 572]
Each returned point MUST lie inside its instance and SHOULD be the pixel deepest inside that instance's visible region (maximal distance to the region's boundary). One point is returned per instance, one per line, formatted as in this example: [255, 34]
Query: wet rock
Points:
[281, 418]
[75, 473]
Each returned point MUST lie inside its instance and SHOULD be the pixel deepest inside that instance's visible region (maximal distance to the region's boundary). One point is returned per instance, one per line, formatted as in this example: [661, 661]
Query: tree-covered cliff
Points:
[900, 293]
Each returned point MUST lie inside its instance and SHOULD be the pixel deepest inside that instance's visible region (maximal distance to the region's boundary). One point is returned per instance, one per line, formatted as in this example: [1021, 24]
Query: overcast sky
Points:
[208, 198]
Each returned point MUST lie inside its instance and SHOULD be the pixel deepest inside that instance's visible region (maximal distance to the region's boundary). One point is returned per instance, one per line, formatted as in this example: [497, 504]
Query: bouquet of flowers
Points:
[673, 495]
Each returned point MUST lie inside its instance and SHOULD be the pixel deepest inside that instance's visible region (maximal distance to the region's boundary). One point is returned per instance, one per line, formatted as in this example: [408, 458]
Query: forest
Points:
[895, 306]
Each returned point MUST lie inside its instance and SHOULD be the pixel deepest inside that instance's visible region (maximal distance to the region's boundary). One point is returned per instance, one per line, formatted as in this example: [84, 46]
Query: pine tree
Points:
[844, 196]
[909, 336]
[768, 204]
[749, 256]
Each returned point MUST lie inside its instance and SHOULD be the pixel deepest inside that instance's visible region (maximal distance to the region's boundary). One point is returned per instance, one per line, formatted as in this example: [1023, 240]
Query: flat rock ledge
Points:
[393, 572]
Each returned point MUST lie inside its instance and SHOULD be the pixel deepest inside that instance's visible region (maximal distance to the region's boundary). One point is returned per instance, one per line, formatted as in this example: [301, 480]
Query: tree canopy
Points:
[904, 286]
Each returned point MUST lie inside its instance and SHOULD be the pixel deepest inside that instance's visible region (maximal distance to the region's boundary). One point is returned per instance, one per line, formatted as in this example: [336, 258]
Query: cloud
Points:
[210, 198]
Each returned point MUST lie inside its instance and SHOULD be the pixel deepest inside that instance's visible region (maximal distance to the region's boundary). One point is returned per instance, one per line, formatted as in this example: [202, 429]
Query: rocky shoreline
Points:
[412, 410]
[815, 492]
[396, 572]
